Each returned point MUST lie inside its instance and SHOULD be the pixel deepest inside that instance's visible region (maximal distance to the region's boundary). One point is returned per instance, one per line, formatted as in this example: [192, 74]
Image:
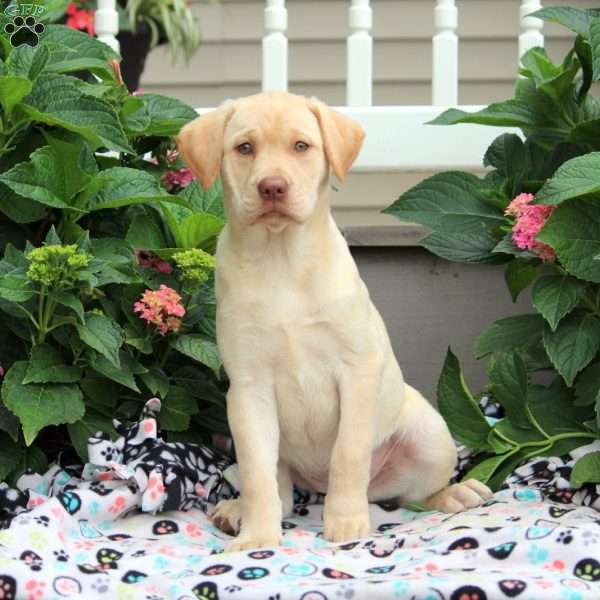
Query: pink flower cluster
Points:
[178, 179]
[161, 308]
[80, 18]
[530, 218]
[148, 260]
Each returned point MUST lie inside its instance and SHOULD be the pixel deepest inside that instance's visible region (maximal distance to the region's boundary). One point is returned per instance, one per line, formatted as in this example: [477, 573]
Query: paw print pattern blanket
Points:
[133, 524]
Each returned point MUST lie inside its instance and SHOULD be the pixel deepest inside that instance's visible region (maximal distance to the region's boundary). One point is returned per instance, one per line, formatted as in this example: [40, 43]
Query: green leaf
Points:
[12, 91]
[15, 288]
[588, 386]
[575, 19]
[594, 33]
[573, 230]
[52, 176]
[144, 233]
[71, 301]
[122, 186]
[458, 407]
[156, 381]
[573, 345]
[484, 470]
[57, 100]
[28, 62]
[209, 201]
[39, 405]
[586, 469]
[81, 431]
[513, 333]
[33, 460]
[510, 157]
[199, 348]
[167, 115]
[519, 274]
[46, 365]
[103, 335]
[122, 375]
[461, 210]
[509, 386]
[177, 407]
[584, 55]
[72, 50]
[9, 423]
[577, 177]
[555, 296]
[10, 456]
[511, 113]
[197, 229]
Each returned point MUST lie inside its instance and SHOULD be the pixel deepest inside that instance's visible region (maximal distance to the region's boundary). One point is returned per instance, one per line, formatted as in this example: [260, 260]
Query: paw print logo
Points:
[24, 31]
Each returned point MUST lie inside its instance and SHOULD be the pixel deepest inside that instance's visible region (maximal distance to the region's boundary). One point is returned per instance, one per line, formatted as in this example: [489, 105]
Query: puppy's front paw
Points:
[228, 516]
[460, 496]
[253, 541]
[340, 527]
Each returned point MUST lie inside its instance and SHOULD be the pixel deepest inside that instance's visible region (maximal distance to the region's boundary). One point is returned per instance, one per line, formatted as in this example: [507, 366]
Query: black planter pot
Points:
[134, 50]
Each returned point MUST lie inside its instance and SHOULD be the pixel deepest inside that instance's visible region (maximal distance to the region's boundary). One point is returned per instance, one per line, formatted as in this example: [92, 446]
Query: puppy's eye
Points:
[245, 148]
[301, 147]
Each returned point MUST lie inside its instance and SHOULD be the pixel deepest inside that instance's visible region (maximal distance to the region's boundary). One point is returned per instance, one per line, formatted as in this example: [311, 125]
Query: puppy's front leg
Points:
[346, 512]
[252, 416]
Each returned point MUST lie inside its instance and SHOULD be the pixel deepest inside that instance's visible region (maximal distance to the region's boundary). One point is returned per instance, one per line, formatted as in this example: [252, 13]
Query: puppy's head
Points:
[274, 152]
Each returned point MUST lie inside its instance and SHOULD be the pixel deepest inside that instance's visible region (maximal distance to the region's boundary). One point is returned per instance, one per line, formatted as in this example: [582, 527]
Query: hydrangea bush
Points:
[537, 211]
[106, 269]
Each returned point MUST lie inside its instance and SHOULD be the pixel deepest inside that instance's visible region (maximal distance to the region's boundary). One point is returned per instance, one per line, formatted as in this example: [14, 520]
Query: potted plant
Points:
[143, 24]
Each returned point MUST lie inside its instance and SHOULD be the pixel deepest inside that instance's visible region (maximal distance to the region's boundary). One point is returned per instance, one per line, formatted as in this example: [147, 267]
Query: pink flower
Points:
[530, 218]
[161, 308]
[148, 260]
[80, 19]
[180, 178]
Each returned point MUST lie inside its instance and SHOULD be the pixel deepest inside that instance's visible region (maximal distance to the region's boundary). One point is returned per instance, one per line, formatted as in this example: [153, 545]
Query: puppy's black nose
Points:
[273, 189]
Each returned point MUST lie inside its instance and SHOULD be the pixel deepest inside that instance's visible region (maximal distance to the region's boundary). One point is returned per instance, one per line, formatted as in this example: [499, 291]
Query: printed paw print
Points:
[345, 591]
[588, 569]
[8, 588]
[32, 560]
[24, 31]
[109, 453]
[43, 521]
[206, 590]
[101, 584]
[61, 555]
[589, 537]
[565, 537]
[35, 589]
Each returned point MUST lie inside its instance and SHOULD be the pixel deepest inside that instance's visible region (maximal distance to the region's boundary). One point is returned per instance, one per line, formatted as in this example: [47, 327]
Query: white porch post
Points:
[531, 27]
[275, 48]
[359, 66]
[106, 23]
[445, 54]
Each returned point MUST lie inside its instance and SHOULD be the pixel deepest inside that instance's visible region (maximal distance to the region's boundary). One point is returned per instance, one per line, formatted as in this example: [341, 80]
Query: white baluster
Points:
[359, 66]
[531, 27]
[275, 47]
[106, 23]
[445, 54]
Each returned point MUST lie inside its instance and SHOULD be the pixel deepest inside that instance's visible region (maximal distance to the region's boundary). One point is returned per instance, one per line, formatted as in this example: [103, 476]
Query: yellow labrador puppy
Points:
[317, 397]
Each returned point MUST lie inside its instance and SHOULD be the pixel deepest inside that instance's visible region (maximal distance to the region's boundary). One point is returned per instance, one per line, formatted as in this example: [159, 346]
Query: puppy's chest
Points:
[305, 369]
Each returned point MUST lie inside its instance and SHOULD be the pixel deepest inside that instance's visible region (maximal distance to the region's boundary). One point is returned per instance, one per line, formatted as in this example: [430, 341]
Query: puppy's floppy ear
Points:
[342, 137]
[200, 143]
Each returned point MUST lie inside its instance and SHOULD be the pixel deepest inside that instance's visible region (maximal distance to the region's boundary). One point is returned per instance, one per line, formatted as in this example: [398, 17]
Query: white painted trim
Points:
[398, 139]
[531, 27]
[275, 48]
[445, 54]
[359, 58]
[106, 23]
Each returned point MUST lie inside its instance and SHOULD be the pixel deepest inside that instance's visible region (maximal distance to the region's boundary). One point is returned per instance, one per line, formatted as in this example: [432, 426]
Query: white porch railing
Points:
[397, 137]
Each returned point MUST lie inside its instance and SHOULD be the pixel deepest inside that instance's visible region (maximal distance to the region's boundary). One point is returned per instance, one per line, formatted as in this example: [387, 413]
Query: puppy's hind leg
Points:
[423, 461]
